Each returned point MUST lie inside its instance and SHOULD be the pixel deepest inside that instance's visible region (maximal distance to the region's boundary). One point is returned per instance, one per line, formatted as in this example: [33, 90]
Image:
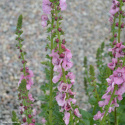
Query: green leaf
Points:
[38, 124]
[85, 114]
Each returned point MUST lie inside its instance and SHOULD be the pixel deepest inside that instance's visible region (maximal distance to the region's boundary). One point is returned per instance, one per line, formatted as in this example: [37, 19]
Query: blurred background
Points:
[86, 26]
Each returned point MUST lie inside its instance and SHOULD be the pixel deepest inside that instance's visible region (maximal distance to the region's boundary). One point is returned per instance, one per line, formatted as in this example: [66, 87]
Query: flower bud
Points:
[114, 42]
[33, 120]
[121, 12]
[23, 61]
[56, 18]
[24, 119]
[21, 112]
[117, 24]
[25, 107]
[21, 104]
[57, 40]
[62, 55]
[54, 26]
[115, 35]
[122, 25]
[30, 116]
[19, 98]
[59, 29]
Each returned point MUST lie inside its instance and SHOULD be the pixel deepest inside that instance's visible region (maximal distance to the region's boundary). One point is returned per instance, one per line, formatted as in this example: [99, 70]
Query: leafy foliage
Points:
[15, 120]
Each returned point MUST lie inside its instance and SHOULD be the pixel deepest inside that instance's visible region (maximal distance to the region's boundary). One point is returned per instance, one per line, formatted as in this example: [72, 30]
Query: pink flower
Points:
[56, 78]
[111, 109]
[21, 108]
[34, 112]
[63, 87]
[76, 112]
[112, 64]
[60, 98]
[30, 97]
[43, 120]
[119, 76]
[99, 115]
[44, 23]
[114, 9]
[56, 61]
[67, 64]
[44, 17]
[46, 7]
[67, 106]
[63, 5]
[25, 123]
[111, 19]
[66, 117]
[71, 93]
[27, 78]
[72, 100]
[71, 76]
[44, 20]
[31, 124]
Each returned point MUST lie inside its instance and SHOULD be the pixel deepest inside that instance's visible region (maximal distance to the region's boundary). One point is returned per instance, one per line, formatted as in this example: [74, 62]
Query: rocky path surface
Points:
[88, 26]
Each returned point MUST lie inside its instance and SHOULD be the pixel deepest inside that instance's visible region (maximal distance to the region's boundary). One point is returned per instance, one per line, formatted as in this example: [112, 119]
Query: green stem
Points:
[115, 116]
[93, 113]
[22, 57]
[112, 96]
[120, 16]
[63, 71]
[51, 83]
[58, 33]
[113, 27]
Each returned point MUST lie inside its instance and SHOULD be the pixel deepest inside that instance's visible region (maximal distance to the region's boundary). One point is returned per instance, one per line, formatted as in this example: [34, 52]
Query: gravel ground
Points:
[88, 26]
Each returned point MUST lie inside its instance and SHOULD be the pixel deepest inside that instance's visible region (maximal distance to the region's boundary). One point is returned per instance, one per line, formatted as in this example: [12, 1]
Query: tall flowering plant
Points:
[115, 88]
[60, 63]
[26, 100]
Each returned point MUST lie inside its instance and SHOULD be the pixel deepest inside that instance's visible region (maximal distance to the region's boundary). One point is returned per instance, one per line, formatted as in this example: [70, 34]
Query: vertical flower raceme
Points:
[61, 60]
[25, 82]
[116, 81]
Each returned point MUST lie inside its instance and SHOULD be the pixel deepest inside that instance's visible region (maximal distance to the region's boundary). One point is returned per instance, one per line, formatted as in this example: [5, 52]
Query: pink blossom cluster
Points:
[64, 96]
[28, 99]
[114, 9]
[47, 6]
[117, 78]
[27, 107]
[28, 78]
